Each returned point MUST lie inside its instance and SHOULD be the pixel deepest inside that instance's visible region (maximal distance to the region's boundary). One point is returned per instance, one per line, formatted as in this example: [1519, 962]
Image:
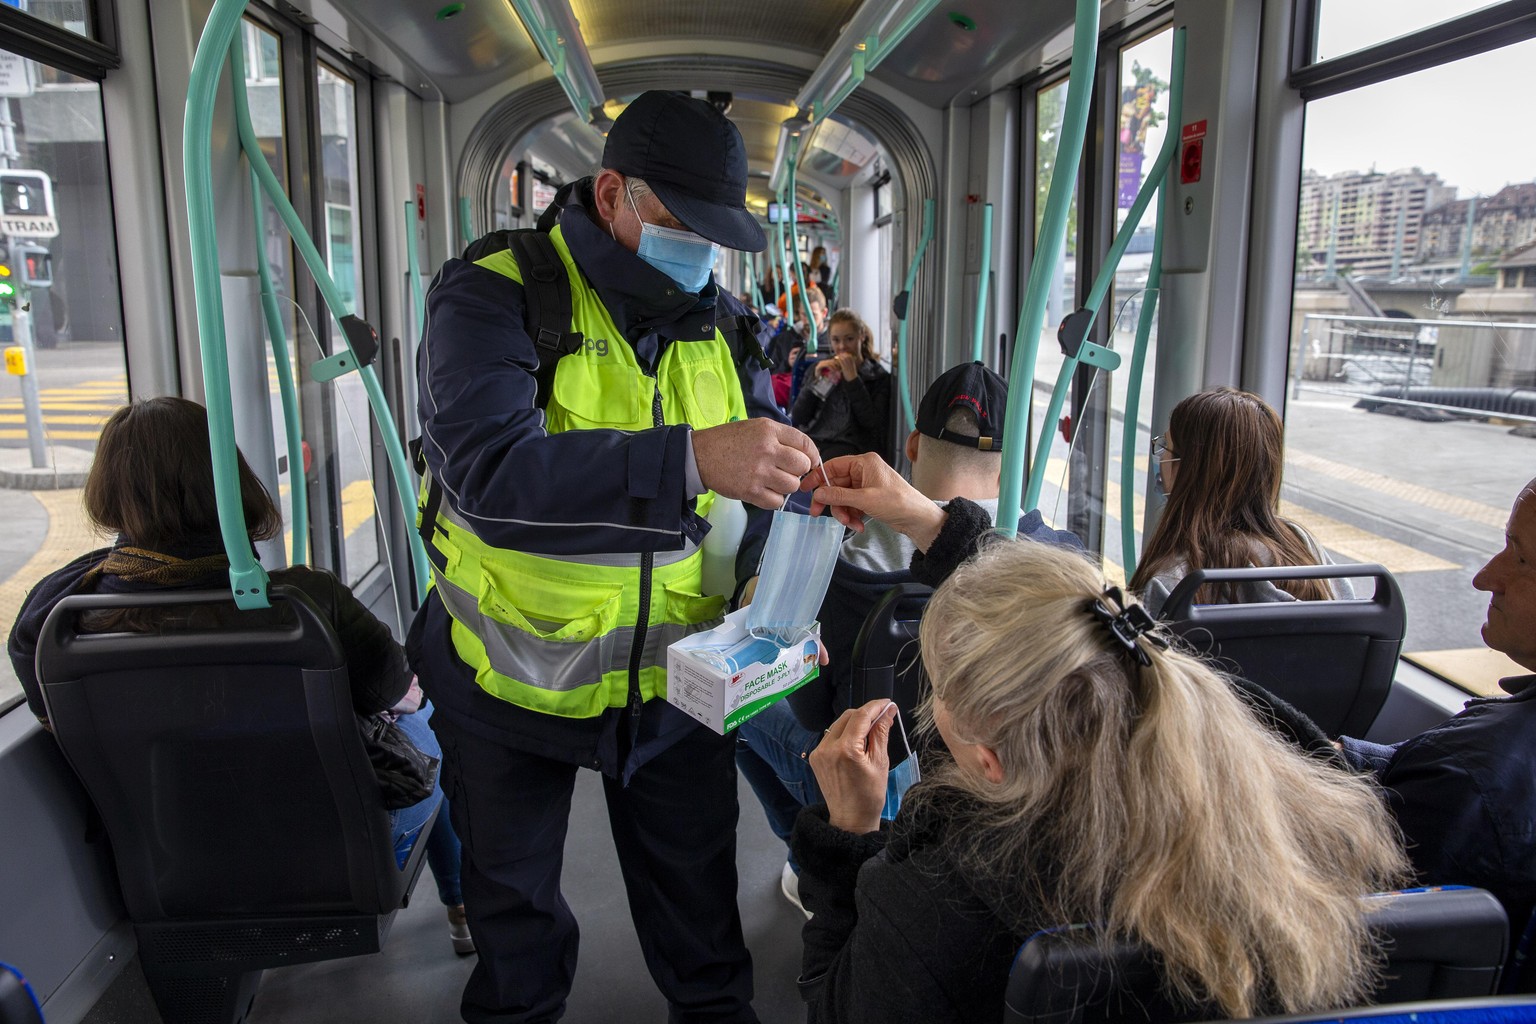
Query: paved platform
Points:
[65, 470]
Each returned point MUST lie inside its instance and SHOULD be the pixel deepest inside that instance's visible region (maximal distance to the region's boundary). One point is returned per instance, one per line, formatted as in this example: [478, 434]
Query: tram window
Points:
[74, 328]
[1344, 26]
[1050, 109]
[1392, 291]
[264, 93]
[344, 258]
[1145, 68]
[77, 16]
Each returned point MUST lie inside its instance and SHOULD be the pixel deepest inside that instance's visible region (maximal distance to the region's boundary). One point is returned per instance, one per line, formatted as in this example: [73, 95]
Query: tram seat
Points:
[17, 1003]
[1443, 943]
[1333, 660]
[1491, 1010]
[243, 812]
[886, 660]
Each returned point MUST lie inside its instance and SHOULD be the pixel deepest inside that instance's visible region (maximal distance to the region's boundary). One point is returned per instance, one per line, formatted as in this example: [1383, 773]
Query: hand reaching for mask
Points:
[755, 460]
[865, 485]
[851, 765]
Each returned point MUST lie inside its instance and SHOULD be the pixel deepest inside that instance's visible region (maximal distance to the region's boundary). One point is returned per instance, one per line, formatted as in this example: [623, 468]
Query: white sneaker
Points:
[789, 885]
[458, 931]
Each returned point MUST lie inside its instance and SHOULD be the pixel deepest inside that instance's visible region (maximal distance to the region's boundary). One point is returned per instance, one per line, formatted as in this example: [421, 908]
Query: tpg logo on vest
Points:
[598, 346]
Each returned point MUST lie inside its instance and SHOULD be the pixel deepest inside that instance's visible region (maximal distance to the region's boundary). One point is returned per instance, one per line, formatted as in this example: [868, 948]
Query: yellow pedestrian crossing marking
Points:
[1463, 508]
[356, 505]
[70, 413]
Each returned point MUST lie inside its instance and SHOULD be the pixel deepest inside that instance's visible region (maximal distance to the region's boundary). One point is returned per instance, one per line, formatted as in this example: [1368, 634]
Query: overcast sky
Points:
[1468, 121]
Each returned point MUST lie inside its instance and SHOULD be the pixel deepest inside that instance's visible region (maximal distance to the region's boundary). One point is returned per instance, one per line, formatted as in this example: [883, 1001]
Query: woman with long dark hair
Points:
[844, 403]
[151, 488]
[1220, 463]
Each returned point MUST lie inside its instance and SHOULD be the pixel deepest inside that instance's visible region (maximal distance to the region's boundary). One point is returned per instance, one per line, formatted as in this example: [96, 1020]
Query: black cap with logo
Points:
[693, 158]
[972, 386]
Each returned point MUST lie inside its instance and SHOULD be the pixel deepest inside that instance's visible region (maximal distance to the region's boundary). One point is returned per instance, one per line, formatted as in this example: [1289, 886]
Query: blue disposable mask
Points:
[797, 568]
[682, 255]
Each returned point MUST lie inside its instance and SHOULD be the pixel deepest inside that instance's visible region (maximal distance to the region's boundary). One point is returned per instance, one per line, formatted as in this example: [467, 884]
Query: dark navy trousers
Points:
[674, 828]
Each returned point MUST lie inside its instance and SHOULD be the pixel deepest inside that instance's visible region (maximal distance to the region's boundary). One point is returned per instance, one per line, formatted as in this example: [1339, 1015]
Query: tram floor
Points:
[418, 978]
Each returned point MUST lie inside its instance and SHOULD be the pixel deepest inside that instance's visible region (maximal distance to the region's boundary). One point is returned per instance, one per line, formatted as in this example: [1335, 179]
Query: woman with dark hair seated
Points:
[1093, 775]
[1220, 463]
[151, 485]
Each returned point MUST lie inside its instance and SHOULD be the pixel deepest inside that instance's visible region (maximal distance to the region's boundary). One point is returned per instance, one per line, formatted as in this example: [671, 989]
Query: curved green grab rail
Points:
[418, 297]
[393, 448]
[247, 578]
[297, 492]
[1149, 303]
[978, 335]
[466, 221]
[903, 382]
[1053, 231]
[812, 335]
[1106, 276]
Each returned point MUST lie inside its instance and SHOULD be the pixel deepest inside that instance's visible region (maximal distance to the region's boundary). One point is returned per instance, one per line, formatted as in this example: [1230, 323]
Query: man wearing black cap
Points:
[563, 512]
[955, 452]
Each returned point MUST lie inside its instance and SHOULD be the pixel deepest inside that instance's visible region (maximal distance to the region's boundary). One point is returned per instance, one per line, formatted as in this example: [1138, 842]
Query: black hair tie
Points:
[1127, 622]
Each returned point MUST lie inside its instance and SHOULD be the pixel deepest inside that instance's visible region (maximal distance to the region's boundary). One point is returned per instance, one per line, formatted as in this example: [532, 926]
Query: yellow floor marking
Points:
[356, 505]
[1450, 504]
[104, 408]
[53, 435]
[84, 421]
[1361, 545]
[68, 534]
[1476, 668]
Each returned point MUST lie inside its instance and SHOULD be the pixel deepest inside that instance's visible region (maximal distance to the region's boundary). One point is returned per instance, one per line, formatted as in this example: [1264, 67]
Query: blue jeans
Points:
[443, 851]
[772, 751]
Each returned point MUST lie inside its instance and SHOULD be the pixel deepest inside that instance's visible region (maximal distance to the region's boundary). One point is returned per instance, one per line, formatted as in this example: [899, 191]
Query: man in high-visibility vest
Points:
[563, 514]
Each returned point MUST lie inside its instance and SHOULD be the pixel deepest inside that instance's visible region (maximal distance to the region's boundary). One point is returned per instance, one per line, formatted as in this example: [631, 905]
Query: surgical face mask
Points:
[681, 255]
[797, 567]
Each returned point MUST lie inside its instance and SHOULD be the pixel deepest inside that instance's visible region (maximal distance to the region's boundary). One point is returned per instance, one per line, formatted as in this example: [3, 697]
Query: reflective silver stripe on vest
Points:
[617, 560]
[557, 665]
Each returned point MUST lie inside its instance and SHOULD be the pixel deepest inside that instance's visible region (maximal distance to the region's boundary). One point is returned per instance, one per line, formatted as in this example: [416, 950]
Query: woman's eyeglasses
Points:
[1160, 448]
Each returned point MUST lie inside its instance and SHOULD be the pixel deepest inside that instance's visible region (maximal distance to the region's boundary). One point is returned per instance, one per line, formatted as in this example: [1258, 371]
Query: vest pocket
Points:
[591, 395]
[693, 609]
[572, 613]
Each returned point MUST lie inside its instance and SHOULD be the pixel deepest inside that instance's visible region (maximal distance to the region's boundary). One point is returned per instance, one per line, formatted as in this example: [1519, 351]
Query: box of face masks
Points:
[724, 676]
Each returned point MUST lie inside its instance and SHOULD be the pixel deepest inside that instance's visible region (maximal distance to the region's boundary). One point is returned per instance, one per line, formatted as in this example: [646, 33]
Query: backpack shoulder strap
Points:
[740, 332]
[548, 293]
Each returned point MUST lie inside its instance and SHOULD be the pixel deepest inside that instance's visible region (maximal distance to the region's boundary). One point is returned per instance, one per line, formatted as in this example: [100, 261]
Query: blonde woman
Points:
[1092, 779]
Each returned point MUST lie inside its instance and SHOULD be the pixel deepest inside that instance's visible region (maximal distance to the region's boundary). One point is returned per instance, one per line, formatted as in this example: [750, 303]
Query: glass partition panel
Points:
[1344, 26]
[58, 229]
[1413, 359]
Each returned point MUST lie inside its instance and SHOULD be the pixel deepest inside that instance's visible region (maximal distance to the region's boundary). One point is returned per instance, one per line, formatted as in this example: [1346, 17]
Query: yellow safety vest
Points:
[557, 634]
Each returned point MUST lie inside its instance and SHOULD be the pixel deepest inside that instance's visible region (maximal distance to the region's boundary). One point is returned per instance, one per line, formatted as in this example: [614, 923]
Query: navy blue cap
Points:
[694, 160]
[972, 386]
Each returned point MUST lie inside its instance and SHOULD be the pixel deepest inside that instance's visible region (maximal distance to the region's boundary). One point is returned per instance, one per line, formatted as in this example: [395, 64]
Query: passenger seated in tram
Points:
[844, 402]
[1096, 776]
[1464, 792]
[1220, 463]
[151, 486]
[955, 451]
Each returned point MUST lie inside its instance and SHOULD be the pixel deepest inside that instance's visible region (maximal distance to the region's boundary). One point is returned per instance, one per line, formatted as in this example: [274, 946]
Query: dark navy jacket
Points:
[575, 493]
[1465, 795]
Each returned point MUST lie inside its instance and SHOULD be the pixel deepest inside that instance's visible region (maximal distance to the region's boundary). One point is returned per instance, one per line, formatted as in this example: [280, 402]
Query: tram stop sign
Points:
[26, 205]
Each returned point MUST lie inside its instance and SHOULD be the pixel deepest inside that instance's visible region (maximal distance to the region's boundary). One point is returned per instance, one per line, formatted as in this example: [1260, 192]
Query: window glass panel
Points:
[1344, 26]
[1399, 302]
[264, 94]
[1050, 110]
[1145, 69]
[71, 15]
[74, 324]
[343, 253]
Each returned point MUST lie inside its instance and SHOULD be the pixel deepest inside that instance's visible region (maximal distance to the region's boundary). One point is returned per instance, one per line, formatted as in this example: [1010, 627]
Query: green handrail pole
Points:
[247, 579]
[978, 334]
[466, 221]
[794, 207]
[418, 297]
[297, 492]
[752, 287]
[903, 356]
[1149, 303]
[394, 450]
[276, 335]
[1048, 250]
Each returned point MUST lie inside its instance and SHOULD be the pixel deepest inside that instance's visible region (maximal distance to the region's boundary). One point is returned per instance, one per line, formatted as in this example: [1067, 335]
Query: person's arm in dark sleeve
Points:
[576, 492]
[807, 405]
[1450, 831]
[966, 525]
[869, 402]
[859, 964]
[28, 627]
[376, 665]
